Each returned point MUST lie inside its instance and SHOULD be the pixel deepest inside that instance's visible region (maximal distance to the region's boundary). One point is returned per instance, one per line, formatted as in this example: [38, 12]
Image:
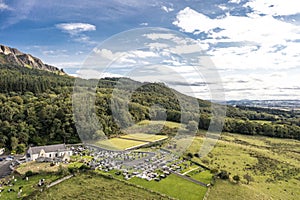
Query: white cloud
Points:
[4, 6]
[144, 24]
[88, 74]
[156, 45]
[189, 48]
[255, 48]
[76, 28]
[263, 41]
[253, 28]
[156, 36]
[190, 21]
[123, 58]
[263, 85]
[235, 1]
[105, 53]
[141, 54]
[166, 9]
[274, 7]
[223, 7]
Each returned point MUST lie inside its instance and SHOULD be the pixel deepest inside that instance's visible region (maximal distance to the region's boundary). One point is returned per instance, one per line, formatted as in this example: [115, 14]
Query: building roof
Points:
[48, 148]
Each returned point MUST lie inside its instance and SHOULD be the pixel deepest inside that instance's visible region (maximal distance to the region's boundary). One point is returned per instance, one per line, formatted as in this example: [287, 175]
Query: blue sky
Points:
[254, 44]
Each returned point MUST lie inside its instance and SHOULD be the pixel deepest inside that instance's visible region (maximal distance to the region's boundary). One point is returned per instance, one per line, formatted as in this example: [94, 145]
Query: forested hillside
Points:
[36, 108]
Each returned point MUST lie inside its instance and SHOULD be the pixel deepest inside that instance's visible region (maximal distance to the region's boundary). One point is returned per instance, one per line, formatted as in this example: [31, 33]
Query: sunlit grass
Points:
[144, 137]
[119, 143]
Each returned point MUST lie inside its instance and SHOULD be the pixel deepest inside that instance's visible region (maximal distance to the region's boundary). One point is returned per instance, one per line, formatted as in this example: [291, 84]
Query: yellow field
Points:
[166, 123]
[145, 137]
[119, 144]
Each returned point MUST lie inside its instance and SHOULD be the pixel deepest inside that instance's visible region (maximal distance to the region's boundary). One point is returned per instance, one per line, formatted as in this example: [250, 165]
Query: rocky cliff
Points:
[13, 56]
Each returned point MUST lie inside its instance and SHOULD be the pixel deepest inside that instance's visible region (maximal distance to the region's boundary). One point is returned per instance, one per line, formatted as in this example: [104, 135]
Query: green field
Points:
[153, 127]
[174, 186]
[165, 123]
[94, 187]
[120, 144]
[274, 165]
[144, 137]
[203, 176]
[28, 186]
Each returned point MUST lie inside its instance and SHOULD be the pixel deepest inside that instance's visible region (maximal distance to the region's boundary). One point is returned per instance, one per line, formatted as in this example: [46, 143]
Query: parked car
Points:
[8, 159]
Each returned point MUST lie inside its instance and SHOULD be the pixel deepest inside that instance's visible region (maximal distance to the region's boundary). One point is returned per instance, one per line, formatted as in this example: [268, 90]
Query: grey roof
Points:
[48, 148]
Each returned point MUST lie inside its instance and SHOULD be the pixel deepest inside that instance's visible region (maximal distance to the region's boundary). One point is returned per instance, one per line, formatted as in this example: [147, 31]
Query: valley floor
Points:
[272, 164]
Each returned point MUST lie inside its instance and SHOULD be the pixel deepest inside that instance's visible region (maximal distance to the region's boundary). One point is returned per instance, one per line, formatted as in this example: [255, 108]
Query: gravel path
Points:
[59, 181]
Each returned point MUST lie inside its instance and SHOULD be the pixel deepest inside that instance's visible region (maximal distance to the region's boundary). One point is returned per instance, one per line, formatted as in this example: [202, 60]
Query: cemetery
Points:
[151, 164]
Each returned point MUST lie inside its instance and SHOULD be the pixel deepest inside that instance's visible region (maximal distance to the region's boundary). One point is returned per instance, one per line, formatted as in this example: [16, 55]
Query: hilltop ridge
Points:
[13, 56]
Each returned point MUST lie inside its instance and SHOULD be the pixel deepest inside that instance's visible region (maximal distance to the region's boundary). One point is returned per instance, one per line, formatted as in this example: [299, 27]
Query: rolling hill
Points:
[36, 107]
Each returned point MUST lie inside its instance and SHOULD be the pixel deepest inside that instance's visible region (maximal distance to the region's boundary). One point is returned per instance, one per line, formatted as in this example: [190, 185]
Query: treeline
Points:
[36, 119]
[36, 108]
[21, 80]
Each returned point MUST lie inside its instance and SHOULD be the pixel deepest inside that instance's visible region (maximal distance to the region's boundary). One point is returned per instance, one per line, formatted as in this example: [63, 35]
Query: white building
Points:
[49, 151]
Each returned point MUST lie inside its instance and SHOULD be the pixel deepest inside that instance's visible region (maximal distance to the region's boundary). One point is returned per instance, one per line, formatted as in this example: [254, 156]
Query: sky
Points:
[253, 44]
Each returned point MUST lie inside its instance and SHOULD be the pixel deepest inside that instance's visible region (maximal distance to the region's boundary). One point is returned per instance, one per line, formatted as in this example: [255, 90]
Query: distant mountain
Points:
[13, 56]
[272, 104]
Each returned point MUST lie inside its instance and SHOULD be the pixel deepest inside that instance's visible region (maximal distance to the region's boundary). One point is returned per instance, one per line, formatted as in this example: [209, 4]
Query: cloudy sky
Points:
[253, 44]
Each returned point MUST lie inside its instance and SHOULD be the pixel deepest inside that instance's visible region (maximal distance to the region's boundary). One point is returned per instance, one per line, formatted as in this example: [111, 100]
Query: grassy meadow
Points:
[93, 187]
[144, 137]
[174, 186]
[27, 186]
[36, 167]
[165, 123]
[273, 165]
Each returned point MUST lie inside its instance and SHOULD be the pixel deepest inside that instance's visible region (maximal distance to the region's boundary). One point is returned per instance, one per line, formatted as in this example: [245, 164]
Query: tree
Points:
[20, 148]
[224, 175]
[14, 143]
[248, 178]
[236, 178]
[190, 155]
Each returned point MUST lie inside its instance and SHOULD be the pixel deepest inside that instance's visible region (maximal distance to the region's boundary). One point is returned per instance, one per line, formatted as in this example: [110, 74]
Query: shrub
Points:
[29, 173]
[205, 161]
[248, 178]
[236, 178]
[224, 175]
[190, 155]
[214, 171]
[84, 167]
[62, 171]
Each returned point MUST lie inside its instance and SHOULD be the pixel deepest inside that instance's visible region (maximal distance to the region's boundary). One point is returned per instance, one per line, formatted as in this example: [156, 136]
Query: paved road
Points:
[4, 168]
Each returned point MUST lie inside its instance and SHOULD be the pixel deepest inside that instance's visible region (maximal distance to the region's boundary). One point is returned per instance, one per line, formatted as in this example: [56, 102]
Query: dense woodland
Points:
[36, 109]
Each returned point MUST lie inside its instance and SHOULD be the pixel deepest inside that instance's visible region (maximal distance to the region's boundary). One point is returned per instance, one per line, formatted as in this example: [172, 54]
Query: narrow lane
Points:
[4, 168]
